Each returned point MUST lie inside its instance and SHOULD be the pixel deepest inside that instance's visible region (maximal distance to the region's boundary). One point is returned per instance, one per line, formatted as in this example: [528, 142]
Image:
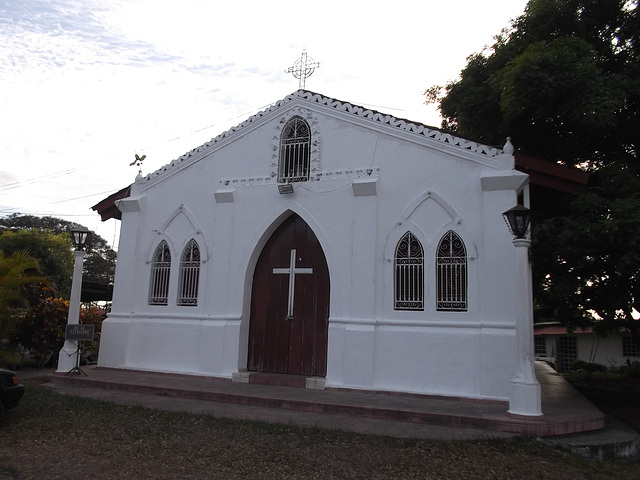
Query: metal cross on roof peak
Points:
[303, 68]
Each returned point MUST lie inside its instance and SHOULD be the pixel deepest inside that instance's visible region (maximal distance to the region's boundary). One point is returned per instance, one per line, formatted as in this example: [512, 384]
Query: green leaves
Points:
[564, 83]
[17, 271]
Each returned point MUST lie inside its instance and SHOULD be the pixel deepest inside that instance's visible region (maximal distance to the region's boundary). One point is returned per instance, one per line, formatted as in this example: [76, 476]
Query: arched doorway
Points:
[290, 304]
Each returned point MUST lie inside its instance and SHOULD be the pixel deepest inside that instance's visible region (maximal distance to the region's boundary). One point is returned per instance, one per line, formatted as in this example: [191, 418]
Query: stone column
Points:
[525, 399]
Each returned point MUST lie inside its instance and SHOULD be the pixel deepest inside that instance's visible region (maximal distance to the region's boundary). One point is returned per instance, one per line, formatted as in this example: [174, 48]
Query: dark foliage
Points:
[564, 82]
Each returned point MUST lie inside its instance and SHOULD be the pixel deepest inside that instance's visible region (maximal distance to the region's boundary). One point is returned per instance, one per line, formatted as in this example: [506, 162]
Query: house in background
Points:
[560, 347]
[322, 240]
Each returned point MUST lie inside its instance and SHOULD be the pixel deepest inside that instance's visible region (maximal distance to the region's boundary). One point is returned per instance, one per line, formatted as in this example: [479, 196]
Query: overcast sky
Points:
[87, 84]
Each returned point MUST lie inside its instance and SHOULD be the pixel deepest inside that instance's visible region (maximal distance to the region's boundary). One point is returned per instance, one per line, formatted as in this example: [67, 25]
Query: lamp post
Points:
[525, 398]
[67, 356]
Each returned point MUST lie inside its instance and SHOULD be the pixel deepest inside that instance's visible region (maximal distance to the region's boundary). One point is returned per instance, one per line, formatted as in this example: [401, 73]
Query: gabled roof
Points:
[541, 172]
[413, 128]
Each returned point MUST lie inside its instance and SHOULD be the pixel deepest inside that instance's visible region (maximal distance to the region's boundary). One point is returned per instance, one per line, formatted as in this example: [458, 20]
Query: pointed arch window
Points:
[295, 151]
[189, 275]
[409, 274]
[160, 271]
[451, 273]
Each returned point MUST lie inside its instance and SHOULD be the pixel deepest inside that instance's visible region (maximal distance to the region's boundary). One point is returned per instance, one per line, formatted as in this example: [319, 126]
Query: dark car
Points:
[11, 390]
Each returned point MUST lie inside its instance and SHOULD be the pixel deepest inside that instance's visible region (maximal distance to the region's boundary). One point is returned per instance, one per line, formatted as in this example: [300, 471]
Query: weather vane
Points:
[138, 162]
[303, 68]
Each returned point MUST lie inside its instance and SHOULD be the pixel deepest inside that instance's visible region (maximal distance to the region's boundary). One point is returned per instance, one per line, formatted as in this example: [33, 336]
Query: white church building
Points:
[325, 240]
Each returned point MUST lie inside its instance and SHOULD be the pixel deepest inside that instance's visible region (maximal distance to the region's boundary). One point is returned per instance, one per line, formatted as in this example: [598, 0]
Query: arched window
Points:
[160, 270]
[189, 275]
[409, 274]
[451, 273]
[295, 151]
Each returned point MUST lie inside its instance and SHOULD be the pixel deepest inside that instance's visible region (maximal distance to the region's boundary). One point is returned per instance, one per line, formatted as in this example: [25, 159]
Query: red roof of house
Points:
[551, 175]
[107, 208]
[558, 330]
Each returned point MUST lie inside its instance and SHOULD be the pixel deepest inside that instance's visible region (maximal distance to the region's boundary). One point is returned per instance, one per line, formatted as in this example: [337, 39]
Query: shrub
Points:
[588, 367]
[631, 370]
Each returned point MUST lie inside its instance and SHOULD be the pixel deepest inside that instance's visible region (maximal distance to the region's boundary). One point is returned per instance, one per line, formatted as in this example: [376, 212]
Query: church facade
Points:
[322, 239]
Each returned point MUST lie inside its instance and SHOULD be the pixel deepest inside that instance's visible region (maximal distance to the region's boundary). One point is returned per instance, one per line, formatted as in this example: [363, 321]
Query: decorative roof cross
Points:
[303, 68]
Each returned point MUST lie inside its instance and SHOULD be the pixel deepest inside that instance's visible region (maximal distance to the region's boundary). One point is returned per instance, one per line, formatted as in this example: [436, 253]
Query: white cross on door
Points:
[292, 271]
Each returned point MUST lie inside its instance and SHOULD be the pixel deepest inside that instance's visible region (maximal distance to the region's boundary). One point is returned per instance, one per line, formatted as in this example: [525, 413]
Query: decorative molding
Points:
[414, 128]
[343, 174]
[365, 187]
[129, 204]
[314, 160]
[503, 180]
[224, 195]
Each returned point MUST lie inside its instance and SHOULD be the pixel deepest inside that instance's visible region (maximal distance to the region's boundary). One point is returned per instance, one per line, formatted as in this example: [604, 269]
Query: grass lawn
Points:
[54, 436]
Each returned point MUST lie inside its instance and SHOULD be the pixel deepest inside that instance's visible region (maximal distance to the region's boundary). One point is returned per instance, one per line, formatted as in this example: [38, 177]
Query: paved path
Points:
[565, 411]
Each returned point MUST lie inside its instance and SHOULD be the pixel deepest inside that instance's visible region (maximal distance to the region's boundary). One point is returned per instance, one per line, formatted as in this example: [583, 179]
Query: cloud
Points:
[86, 84]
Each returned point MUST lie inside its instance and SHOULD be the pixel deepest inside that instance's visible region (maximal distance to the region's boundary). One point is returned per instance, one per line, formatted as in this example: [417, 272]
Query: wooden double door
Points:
[290, 304]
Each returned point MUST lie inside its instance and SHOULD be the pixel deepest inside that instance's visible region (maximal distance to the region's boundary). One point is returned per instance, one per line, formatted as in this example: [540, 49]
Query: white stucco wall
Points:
[605, 351]
[423, 185]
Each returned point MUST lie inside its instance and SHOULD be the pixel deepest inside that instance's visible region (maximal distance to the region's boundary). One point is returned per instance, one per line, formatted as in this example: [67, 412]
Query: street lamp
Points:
[525, 398]
[67, 358]
[79, 238]
[518, 219]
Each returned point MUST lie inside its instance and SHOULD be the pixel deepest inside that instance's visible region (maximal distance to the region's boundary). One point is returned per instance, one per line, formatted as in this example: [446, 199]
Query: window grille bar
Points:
[409, 274]
[189, 285]
[629, 348]
[160, 273]
[160, 284]
[294, 152]
[189, 275]
[451, 275]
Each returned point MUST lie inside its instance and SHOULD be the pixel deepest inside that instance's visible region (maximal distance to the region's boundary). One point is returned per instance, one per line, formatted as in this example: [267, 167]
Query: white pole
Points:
[525, 397]
[67, 356]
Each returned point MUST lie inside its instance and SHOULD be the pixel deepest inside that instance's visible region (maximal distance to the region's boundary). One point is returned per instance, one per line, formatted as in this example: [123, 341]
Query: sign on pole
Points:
[79, 332]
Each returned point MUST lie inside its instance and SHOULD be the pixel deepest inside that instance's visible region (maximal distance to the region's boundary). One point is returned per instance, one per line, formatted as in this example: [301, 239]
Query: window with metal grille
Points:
[409, 274]
[160, 270]
[540, 346]
[189, 275]
[567, 353]
[451, 273]
[295, 151]
[629, 347]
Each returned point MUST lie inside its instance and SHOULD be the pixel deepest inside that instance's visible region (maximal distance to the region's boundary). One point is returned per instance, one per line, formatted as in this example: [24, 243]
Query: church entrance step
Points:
[565, 411]
[278, 379]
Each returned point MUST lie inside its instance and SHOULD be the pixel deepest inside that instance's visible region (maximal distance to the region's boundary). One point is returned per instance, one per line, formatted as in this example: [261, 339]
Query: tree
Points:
[41, 329]
[53, 252]
[593, 266]
[99, 262]
[564, 82]
[17, 271]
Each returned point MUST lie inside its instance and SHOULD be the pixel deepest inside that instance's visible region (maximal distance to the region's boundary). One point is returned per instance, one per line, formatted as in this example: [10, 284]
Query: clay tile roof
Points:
[558, 330]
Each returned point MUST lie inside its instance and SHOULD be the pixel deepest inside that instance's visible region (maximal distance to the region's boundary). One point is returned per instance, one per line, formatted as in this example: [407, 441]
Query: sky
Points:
[85, 85]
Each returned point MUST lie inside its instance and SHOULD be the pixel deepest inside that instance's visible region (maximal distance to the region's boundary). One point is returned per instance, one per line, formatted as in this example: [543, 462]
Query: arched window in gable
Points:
[160, 271]
[409, 274]
[295, 151]
[451, 273]
[189, 275]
